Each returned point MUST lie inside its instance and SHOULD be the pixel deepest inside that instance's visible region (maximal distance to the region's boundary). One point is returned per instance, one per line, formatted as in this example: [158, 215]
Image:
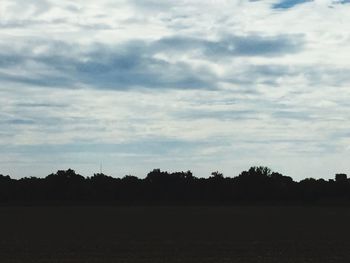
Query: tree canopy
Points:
[257, 185]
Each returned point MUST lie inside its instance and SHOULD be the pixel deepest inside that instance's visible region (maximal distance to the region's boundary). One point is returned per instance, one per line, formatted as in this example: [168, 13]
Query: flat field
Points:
[174, 234]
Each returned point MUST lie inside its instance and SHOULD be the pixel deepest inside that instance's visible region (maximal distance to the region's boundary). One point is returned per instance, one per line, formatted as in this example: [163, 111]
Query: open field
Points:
[174, 234]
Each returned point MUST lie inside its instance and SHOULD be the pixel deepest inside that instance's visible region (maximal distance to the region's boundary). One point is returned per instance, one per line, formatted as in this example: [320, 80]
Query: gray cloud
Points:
[232, 45]
[19, 122]
[250, 75]
[134, 64]
[341, 2]
[256, 46]
[41, 105]
[296, 115]
[134, 67]
[40, 80]
[285, 4]
[217, 114]
[152, 5]
[131, 65]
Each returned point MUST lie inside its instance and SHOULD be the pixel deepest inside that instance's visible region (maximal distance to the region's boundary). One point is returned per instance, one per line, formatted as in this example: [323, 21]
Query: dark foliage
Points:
[258, 185]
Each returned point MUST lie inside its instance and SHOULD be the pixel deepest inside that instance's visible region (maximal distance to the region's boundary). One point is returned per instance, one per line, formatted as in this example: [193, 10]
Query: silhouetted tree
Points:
[341, 178]
[217, 175]
[257, 185]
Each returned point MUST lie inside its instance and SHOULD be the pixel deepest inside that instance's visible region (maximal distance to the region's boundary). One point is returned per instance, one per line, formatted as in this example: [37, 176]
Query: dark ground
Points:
[174, 234]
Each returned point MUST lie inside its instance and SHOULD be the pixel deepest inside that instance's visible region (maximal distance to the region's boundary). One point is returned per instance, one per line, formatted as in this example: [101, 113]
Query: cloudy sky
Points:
[177, 85]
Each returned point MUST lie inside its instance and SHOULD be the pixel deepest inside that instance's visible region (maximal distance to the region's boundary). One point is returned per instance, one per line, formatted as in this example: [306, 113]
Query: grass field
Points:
[174, 234]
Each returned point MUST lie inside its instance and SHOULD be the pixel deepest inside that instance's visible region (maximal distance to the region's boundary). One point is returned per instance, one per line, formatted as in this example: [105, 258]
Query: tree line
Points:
[258, 185]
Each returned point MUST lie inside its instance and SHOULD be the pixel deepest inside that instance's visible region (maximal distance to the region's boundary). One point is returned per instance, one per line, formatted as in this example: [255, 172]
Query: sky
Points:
[176, 85]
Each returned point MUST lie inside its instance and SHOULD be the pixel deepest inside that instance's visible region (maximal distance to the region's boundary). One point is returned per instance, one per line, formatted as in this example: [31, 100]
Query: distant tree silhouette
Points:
[217, 175]
[5, 188]
[341, 178]
[257, 185]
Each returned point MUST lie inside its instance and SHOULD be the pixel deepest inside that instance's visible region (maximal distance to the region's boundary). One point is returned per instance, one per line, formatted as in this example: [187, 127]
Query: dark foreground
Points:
[174, 234]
